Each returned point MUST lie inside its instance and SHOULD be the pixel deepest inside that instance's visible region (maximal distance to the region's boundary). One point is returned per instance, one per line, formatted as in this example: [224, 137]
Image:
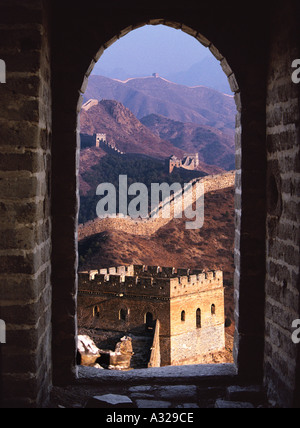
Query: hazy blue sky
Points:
[152, 49]
[171, 53]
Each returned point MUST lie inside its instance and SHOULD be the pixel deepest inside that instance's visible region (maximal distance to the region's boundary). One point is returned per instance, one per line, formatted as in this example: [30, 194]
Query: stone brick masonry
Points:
[25, 222]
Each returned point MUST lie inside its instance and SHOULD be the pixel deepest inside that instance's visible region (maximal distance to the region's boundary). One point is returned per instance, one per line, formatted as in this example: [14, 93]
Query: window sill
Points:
[213, 374]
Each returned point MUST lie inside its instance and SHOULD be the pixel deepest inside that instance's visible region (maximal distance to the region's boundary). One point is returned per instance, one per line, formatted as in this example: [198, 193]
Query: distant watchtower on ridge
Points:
[100, 138]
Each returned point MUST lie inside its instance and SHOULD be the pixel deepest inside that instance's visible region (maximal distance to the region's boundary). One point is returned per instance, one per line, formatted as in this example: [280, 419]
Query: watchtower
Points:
[100, 138]
[189, 306]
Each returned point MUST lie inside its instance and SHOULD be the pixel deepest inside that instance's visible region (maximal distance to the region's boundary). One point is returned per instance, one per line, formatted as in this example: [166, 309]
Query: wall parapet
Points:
[148, 280]
[149, 226]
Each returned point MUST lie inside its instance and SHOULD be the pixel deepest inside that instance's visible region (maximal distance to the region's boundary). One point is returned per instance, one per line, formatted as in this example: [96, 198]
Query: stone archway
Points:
[250, 137]
[149, 321]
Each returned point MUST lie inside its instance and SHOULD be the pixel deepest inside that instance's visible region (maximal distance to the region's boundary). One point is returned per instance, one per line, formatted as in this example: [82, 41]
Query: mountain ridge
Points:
[205, 72]
[124, 130]
[213, 146]
[128, 134]
[147, 95]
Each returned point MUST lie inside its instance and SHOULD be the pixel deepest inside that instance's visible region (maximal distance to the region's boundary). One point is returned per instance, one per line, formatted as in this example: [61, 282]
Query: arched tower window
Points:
[198, 318]
[123, 314]
[96, 312]
[213, 309]
[149, 320]
[183, 316]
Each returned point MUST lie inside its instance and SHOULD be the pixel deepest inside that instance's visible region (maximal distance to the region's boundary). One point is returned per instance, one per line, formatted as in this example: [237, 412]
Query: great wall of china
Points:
[149, 226]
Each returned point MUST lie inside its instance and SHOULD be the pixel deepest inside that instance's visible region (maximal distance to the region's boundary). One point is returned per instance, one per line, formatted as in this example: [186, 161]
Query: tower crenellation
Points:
[102, 141]
[143, 279]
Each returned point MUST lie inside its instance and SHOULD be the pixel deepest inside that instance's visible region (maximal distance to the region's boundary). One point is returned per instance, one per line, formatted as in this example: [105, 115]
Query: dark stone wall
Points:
[283, 209]
[25, 221]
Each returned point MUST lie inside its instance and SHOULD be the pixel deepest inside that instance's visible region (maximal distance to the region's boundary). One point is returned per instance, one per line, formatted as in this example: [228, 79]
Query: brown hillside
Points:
[124, 130]
[144, 96]
[128, 134]
[88, 158]
[215, 147]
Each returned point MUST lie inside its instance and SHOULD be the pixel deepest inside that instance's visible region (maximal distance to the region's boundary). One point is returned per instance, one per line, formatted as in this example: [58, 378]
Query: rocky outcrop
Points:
[121, 358]
[89, 355]
[88, 352]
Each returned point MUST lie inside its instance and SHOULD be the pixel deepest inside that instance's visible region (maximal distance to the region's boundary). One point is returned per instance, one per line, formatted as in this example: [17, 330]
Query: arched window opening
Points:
[198, 318]
[96, 312]
[113, 149]
[149, 321]
[123, 314]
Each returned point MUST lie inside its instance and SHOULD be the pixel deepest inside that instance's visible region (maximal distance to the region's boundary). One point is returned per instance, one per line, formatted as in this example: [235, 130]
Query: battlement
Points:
[154, 281]
[101, 140]
[89, 104]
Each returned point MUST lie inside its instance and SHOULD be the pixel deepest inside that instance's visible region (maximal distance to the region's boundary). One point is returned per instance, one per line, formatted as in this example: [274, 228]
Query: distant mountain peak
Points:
[147, 95]
[213, 146]
[124, 130]
[155, 76]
